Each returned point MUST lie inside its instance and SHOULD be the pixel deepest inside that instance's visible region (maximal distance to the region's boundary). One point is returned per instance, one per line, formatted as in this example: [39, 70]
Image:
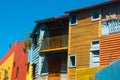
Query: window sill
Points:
[93, 20]
[72, 66]
[73, 24]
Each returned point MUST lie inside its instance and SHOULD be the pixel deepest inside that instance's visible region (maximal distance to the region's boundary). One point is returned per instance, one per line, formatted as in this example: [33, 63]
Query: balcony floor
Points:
[55, 49]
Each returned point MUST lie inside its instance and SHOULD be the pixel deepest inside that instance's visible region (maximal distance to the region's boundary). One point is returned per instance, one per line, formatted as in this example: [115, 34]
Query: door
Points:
[54, 68]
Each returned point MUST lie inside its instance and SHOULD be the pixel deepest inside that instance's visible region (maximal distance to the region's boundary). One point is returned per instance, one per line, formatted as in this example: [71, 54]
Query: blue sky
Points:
[17, 16]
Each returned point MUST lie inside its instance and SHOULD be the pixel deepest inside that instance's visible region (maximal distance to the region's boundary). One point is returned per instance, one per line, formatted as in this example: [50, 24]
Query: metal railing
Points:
[54, 42]
[111, 26]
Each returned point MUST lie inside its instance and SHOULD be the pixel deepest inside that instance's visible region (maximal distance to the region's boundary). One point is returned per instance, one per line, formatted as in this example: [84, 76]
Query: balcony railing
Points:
[110, 27]
[54, 42]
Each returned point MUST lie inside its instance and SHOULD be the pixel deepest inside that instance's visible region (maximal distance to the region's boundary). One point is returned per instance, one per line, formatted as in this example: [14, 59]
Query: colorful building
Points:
[14, 63]
[109, 42]
[6, 65]
[91, 38]
[30, 66]
[85, 38]
[50, 48]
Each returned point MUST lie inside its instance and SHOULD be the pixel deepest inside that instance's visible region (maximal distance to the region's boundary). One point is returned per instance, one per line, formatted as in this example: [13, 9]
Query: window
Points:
[95, 44]
[72, 61]
[17, 71]
[73, 19]
[35, 40]
[94, 53]
[95, 15]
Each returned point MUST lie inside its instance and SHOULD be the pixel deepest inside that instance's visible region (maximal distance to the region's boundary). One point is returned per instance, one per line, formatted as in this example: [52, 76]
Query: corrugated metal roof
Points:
[93, 6]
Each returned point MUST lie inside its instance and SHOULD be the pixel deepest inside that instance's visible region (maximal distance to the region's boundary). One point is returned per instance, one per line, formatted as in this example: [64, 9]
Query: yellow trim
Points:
[55, 49]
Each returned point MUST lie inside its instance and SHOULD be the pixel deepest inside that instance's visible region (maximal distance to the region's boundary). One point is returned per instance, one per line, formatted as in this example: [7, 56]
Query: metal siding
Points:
[111, 72]
[109, 48]
[37, 57]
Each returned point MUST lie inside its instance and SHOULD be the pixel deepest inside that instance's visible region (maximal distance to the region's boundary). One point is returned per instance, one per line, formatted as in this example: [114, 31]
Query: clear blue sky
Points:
[17, 16]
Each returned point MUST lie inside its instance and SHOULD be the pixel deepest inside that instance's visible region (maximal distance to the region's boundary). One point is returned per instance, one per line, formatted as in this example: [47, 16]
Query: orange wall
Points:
[80, 37]
[109, 48]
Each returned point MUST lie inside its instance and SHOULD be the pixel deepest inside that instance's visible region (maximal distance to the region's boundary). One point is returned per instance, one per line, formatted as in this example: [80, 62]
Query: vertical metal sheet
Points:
[111, 72]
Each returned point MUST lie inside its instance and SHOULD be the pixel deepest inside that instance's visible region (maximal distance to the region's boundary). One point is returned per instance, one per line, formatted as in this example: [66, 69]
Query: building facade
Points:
[52, 37]
[84, 37]
[109, 42]
[14, 64]
[92, 35]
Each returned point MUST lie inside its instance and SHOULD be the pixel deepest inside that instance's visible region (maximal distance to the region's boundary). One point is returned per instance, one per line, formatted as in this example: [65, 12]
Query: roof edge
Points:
[93, 6]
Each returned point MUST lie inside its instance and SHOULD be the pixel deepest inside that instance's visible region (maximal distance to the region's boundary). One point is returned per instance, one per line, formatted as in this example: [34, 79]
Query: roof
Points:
[46, 21]
[51, 19]
[93, 6]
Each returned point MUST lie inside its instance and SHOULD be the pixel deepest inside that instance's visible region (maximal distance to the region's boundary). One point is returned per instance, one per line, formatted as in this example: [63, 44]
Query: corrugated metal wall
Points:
[110, 72]
[109, 48]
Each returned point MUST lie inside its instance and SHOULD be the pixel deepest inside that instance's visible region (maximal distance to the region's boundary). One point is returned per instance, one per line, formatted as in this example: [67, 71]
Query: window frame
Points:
[69, 61]
[92, 13]
[92, 49]
[95, 41]
[70, 18]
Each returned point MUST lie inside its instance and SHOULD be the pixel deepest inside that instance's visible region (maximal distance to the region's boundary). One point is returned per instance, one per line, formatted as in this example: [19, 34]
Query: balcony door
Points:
[54, 68]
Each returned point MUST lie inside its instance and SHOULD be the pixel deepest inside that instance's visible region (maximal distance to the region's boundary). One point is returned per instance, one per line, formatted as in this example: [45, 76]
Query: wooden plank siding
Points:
[109, 48]
[80, 37]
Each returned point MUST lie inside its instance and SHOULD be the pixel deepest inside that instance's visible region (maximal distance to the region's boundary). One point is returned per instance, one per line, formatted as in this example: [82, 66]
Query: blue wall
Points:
[111, 72]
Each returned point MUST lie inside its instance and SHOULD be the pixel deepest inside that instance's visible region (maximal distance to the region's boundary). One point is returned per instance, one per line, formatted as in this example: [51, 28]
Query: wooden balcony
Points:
[54, 43]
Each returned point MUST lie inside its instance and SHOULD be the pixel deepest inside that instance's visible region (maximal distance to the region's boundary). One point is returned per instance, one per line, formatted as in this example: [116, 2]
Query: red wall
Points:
[10, 51]
[20, 61]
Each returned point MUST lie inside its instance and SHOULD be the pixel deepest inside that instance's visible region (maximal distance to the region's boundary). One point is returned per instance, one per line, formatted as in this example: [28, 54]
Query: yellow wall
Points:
[87, 73]
[80, 37]
[7, 65]
[29, 72]
[2, 75]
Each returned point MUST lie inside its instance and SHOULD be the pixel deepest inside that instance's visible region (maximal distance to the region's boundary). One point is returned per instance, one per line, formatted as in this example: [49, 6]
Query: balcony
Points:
[54, 43]
[110, 27]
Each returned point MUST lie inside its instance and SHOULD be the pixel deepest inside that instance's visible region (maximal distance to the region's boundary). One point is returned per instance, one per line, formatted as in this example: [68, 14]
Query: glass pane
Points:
[72, 59]
[73, 19]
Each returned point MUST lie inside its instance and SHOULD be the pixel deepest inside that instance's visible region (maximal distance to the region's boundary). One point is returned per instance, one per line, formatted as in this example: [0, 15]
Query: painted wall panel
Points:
[20, 62]
[17, 64]
[37, 57]
[111, 72]
[80, 37]
[8, 66]
[87, 73]
[29, 71]
[109, 48]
